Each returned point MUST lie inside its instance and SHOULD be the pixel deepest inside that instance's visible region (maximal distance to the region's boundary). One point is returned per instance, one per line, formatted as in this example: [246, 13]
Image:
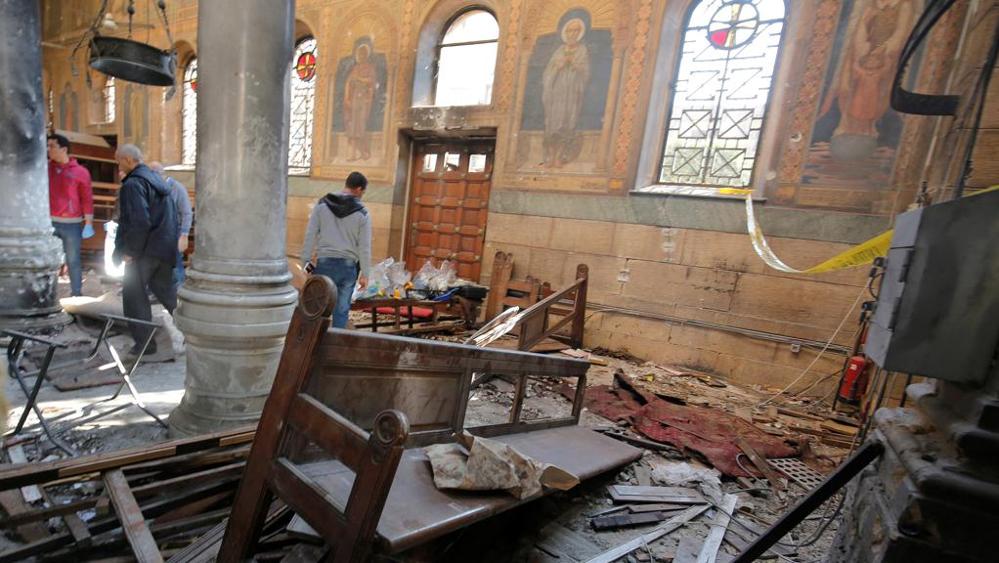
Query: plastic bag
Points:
[398, 276]
[379, 284]
[422, 278]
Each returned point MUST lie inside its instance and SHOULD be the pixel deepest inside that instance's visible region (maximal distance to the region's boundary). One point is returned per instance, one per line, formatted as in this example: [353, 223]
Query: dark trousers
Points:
[155, 274]
[71, 235]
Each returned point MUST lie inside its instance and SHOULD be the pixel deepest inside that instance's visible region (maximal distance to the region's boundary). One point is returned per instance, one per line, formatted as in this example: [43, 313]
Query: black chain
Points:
[131, 13]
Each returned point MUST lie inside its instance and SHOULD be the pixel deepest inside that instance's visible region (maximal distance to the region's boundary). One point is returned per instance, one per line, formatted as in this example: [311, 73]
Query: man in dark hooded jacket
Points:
[146, 242]
[339, 234]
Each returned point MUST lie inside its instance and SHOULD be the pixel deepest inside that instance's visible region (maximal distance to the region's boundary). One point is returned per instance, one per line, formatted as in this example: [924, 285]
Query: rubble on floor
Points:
[666, 506]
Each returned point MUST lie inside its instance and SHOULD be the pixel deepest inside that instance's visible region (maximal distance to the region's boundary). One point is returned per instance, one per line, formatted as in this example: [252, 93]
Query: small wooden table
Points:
[399, 306]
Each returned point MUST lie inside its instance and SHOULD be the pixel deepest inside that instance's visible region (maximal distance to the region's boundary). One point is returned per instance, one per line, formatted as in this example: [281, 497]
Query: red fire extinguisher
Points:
[853, 384]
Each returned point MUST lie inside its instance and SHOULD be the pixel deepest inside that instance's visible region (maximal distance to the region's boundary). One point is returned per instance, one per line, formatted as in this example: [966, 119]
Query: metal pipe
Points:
[833, 483]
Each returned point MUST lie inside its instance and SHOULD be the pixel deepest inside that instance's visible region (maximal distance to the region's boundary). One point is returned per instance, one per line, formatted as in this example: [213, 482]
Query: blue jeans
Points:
[343, 273]
[178, 271]
[71, 235]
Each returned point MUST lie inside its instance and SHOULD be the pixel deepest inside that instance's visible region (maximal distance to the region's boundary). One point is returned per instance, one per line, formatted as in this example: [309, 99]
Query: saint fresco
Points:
[135, 129]
[566, 93]
[856, 134]
[359, 100]
[69, 109]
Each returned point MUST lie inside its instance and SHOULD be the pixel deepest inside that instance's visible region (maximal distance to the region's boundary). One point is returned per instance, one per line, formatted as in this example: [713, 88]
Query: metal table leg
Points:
[15, 351]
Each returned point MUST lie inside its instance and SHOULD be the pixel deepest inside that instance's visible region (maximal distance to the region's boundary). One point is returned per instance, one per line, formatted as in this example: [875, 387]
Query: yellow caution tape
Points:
[860, 255]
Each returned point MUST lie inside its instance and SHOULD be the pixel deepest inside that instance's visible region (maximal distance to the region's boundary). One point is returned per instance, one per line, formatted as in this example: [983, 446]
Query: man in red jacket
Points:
[71, 205]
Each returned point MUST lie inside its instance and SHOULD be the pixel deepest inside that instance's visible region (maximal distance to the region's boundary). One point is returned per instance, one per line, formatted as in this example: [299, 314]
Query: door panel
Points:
[448, 205]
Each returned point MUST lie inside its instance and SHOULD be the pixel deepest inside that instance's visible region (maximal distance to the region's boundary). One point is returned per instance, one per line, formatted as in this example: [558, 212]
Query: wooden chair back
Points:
[561, 309]
[292, 418]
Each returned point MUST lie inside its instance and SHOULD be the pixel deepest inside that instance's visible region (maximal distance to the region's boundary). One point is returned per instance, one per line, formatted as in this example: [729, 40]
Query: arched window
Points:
[109, 100]
[303, 103]
[189, 114]
[721, 90]
[466, 60]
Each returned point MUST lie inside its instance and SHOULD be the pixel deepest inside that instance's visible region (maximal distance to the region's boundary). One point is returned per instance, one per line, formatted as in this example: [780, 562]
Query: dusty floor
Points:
[89, 423]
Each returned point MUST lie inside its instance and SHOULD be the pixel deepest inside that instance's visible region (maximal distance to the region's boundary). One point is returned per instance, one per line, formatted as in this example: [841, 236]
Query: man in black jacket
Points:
[146, 242]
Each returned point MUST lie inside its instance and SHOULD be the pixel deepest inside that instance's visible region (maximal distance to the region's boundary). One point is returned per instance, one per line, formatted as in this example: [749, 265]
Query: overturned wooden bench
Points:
[341, 435]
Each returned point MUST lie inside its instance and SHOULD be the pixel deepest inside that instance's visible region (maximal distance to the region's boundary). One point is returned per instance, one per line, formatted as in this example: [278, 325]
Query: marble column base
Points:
[234, 328]
[29, 273]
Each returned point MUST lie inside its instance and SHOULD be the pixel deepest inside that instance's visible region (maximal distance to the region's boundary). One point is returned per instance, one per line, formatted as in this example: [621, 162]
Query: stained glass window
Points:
[721, 90]
[466, 60]
[109, 100]
[189, 114]
[303, 103]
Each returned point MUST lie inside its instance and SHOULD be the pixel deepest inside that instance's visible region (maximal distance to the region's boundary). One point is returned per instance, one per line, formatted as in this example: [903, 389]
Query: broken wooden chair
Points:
[368, 403]
[561, 309]
[505, 292]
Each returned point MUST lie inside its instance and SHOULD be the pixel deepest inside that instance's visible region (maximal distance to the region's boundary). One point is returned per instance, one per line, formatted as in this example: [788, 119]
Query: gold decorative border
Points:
[792, 155]
[636, 72]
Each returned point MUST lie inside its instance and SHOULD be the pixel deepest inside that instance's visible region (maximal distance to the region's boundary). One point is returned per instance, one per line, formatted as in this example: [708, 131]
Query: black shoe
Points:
[134, 351]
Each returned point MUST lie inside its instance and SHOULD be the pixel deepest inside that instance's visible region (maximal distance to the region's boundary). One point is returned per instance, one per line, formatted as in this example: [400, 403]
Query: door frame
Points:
[417, 138]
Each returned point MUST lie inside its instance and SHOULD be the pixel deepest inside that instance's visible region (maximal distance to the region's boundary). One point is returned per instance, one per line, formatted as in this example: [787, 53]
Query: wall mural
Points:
[565, 95]
[359, 98]
[135, 126]
[856, 134]
[69, 109]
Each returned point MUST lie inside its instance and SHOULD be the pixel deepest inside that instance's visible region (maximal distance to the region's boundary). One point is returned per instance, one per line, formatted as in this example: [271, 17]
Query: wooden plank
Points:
[140, 492]
[670, 525]
[656, 507]
[30, 492]
[675, 495]
[838, 428]
[748, 531]
[151, 510]
[561, 542]
[760, 462]
[719, 525]
[81, 535]
[13, 504]
[35, 473]
[799, 414]
[688, 549]
[205, 549]
[741, 542]
[614, 521]
[76, 527]
[138, 534]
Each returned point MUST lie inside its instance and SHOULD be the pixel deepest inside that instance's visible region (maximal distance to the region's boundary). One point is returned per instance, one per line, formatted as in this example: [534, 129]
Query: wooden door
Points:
[448, 204]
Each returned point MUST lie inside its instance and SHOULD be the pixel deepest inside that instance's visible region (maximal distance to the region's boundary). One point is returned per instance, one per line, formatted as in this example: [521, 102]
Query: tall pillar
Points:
[236, 302]
[30, 255]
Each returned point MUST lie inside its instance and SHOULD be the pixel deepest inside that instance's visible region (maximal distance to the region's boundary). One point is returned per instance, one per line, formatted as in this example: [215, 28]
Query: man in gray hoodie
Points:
[339, 235]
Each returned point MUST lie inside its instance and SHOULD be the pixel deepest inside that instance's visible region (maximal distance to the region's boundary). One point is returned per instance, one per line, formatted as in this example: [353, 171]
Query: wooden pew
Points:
[341, 433]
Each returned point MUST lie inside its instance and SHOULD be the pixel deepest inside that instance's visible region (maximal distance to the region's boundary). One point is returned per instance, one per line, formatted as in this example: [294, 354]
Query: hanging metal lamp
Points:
[127, 59]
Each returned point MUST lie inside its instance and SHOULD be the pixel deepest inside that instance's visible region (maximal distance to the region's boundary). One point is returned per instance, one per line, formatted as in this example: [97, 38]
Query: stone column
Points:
[236, 303]
[30, 255]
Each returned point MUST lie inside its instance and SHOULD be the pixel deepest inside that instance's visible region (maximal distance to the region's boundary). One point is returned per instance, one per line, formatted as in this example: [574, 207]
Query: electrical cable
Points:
[762, 335]
[981, 94]
[816, 383]
[870, 284]
[821, 352]
[826, 519]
